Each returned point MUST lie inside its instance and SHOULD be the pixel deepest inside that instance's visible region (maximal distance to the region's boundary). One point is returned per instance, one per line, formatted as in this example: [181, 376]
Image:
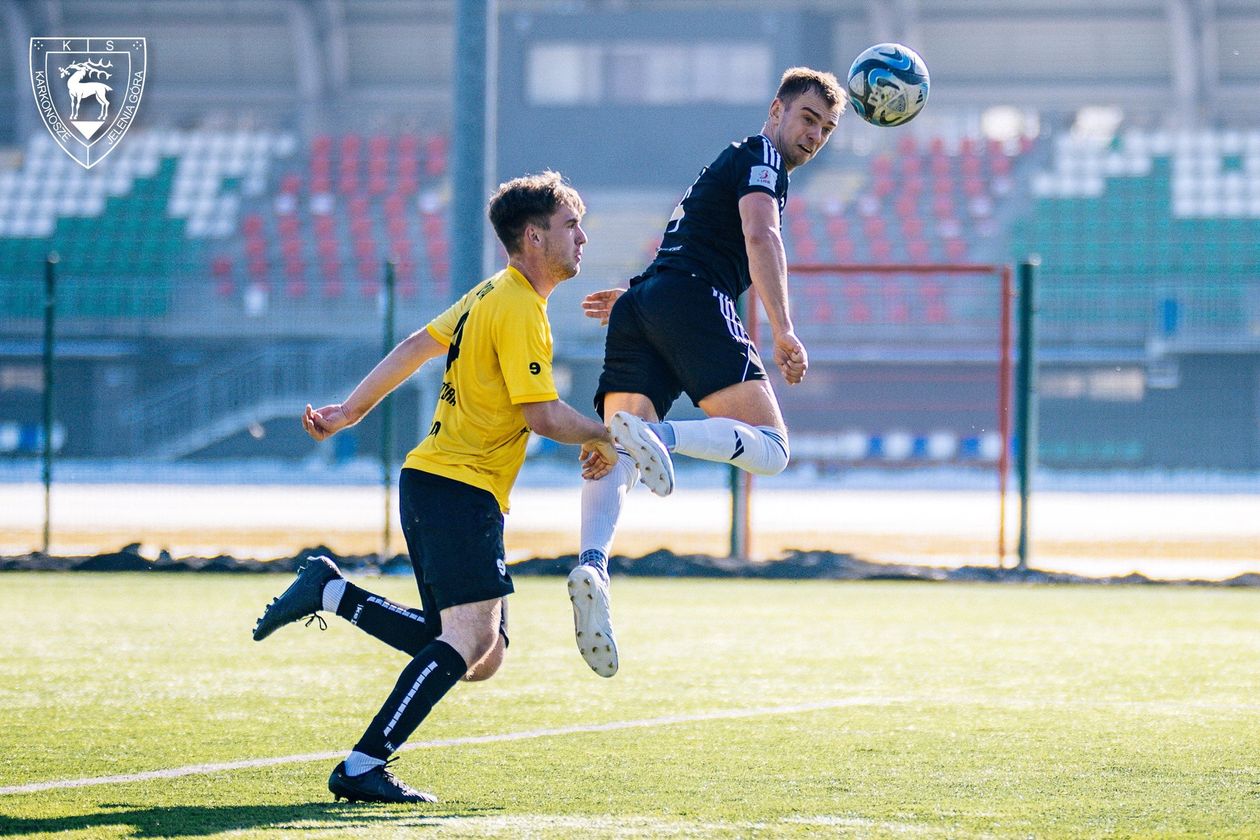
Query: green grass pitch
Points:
[766, 709]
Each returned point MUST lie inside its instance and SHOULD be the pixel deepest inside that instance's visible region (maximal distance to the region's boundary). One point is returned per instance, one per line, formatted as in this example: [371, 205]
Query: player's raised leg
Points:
[320, 586]
[744, 427]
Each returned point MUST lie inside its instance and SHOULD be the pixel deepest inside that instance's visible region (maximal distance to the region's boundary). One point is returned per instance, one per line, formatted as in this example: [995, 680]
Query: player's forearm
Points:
[389, 373]
[562, 423]
[767, 266]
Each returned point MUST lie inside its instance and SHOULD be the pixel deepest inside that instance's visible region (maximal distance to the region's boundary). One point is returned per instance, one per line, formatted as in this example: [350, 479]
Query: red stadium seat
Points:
[221, 270]
[933, 294]
[294, 277]
[896, 307]
[332, 286]
[857, 308]
[431, 224]
[397, 225]
[364, 249]
[435, 154]
[806, 250]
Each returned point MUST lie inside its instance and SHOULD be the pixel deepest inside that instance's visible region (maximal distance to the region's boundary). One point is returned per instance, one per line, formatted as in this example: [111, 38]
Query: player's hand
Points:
[599, 304]
[323, 423]
[598, 457]
[790, 356]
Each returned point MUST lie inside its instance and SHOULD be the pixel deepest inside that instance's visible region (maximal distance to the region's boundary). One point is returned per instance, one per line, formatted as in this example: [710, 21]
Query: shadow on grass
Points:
[196, 821]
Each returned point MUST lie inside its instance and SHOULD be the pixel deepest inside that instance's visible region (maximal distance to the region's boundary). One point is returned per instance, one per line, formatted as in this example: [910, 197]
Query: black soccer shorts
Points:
[454, 534]
[675, 333]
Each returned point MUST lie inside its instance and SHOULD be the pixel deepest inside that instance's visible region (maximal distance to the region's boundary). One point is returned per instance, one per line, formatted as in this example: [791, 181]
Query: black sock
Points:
[421, 685]
[398, 626]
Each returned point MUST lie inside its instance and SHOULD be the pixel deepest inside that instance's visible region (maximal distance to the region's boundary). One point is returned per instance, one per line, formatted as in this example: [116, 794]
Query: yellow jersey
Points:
[498, 358]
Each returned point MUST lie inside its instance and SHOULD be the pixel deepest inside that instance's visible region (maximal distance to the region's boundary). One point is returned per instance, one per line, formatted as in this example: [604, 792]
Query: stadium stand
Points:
[340, 207]
[1150, 234]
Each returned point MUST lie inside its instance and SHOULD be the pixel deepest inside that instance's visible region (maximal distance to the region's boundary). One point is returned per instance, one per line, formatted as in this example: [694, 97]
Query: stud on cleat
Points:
[376, 785]
[588, 592]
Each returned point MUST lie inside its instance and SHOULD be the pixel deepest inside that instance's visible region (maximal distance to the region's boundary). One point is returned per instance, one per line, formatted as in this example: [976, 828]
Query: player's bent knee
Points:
[777, 452]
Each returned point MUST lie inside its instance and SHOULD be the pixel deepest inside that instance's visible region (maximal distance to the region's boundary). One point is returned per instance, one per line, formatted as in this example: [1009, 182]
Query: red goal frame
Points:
[741, 482]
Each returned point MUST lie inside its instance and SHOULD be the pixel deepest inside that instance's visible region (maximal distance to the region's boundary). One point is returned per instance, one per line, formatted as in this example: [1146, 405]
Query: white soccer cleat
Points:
[592, 622]
[656, 468]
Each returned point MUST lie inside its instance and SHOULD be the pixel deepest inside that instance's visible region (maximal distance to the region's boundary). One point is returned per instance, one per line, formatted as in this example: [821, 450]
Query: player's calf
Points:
[761, 450]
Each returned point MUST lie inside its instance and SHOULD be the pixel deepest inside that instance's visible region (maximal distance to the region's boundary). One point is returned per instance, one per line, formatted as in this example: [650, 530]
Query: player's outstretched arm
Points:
[599, 304]
[559, 421]
[767, 266]
[389, 373]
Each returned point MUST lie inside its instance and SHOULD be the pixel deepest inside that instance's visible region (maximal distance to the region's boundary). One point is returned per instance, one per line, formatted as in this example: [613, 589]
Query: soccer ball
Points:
[888, 84]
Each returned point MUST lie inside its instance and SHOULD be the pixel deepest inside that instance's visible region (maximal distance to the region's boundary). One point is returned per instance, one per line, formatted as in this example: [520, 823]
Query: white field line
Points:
[247, 764]
[1151, 707]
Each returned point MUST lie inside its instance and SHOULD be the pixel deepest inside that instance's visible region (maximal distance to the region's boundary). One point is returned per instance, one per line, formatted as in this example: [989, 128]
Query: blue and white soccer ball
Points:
[888, 84]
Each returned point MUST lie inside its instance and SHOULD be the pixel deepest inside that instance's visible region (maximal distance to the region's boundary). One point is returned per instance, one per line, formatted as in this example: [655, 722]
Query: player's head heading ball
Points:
[799, 80]
[530, 200]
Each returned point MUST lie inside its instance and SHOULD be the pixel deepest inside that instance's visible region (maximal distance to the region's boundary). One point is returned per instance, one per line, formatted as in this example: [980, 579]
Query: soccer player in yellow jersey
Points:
[454, 486]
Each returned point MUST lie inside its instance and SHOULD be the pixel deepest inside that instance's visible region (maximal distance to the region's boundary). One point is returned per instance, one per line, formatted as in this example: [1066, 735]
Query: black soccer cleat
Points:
[376, 785]
[304, 597]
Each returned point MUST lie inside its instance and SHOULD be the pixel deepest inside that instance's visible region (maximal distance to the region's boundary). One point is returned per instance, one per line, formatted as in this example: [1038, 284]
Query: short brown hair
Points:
[799, 80]
[530, 200]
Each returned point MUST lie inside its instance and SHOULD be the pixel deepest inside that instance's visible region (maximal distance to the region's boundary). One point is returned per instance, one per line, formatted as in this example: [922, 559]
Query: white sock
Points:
[762, 450]
[333, 590]
[601, 505]
[358, 763]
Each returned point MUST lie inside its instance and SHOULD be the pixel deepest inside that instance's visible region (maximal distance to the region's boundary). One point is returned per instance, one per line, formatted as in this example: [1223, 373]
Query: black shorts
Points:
[454, 534]
[673, 333]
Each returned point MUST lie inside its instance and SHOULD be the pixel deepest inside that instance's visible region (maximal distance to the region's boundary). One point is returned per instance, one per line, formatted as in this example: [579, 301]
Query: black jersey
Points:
[705, 235]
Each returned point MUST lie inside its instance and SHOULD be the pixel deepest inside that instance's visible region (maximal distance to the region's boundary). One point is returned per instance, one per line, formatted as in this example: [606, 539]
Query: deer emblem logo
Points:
[108, 71]
[80, 89]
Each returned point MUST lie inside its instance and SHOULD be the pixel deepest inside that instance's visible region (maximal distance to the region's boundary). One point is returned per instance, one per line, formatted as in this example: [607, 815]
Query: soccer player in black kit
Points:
[676, 330]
